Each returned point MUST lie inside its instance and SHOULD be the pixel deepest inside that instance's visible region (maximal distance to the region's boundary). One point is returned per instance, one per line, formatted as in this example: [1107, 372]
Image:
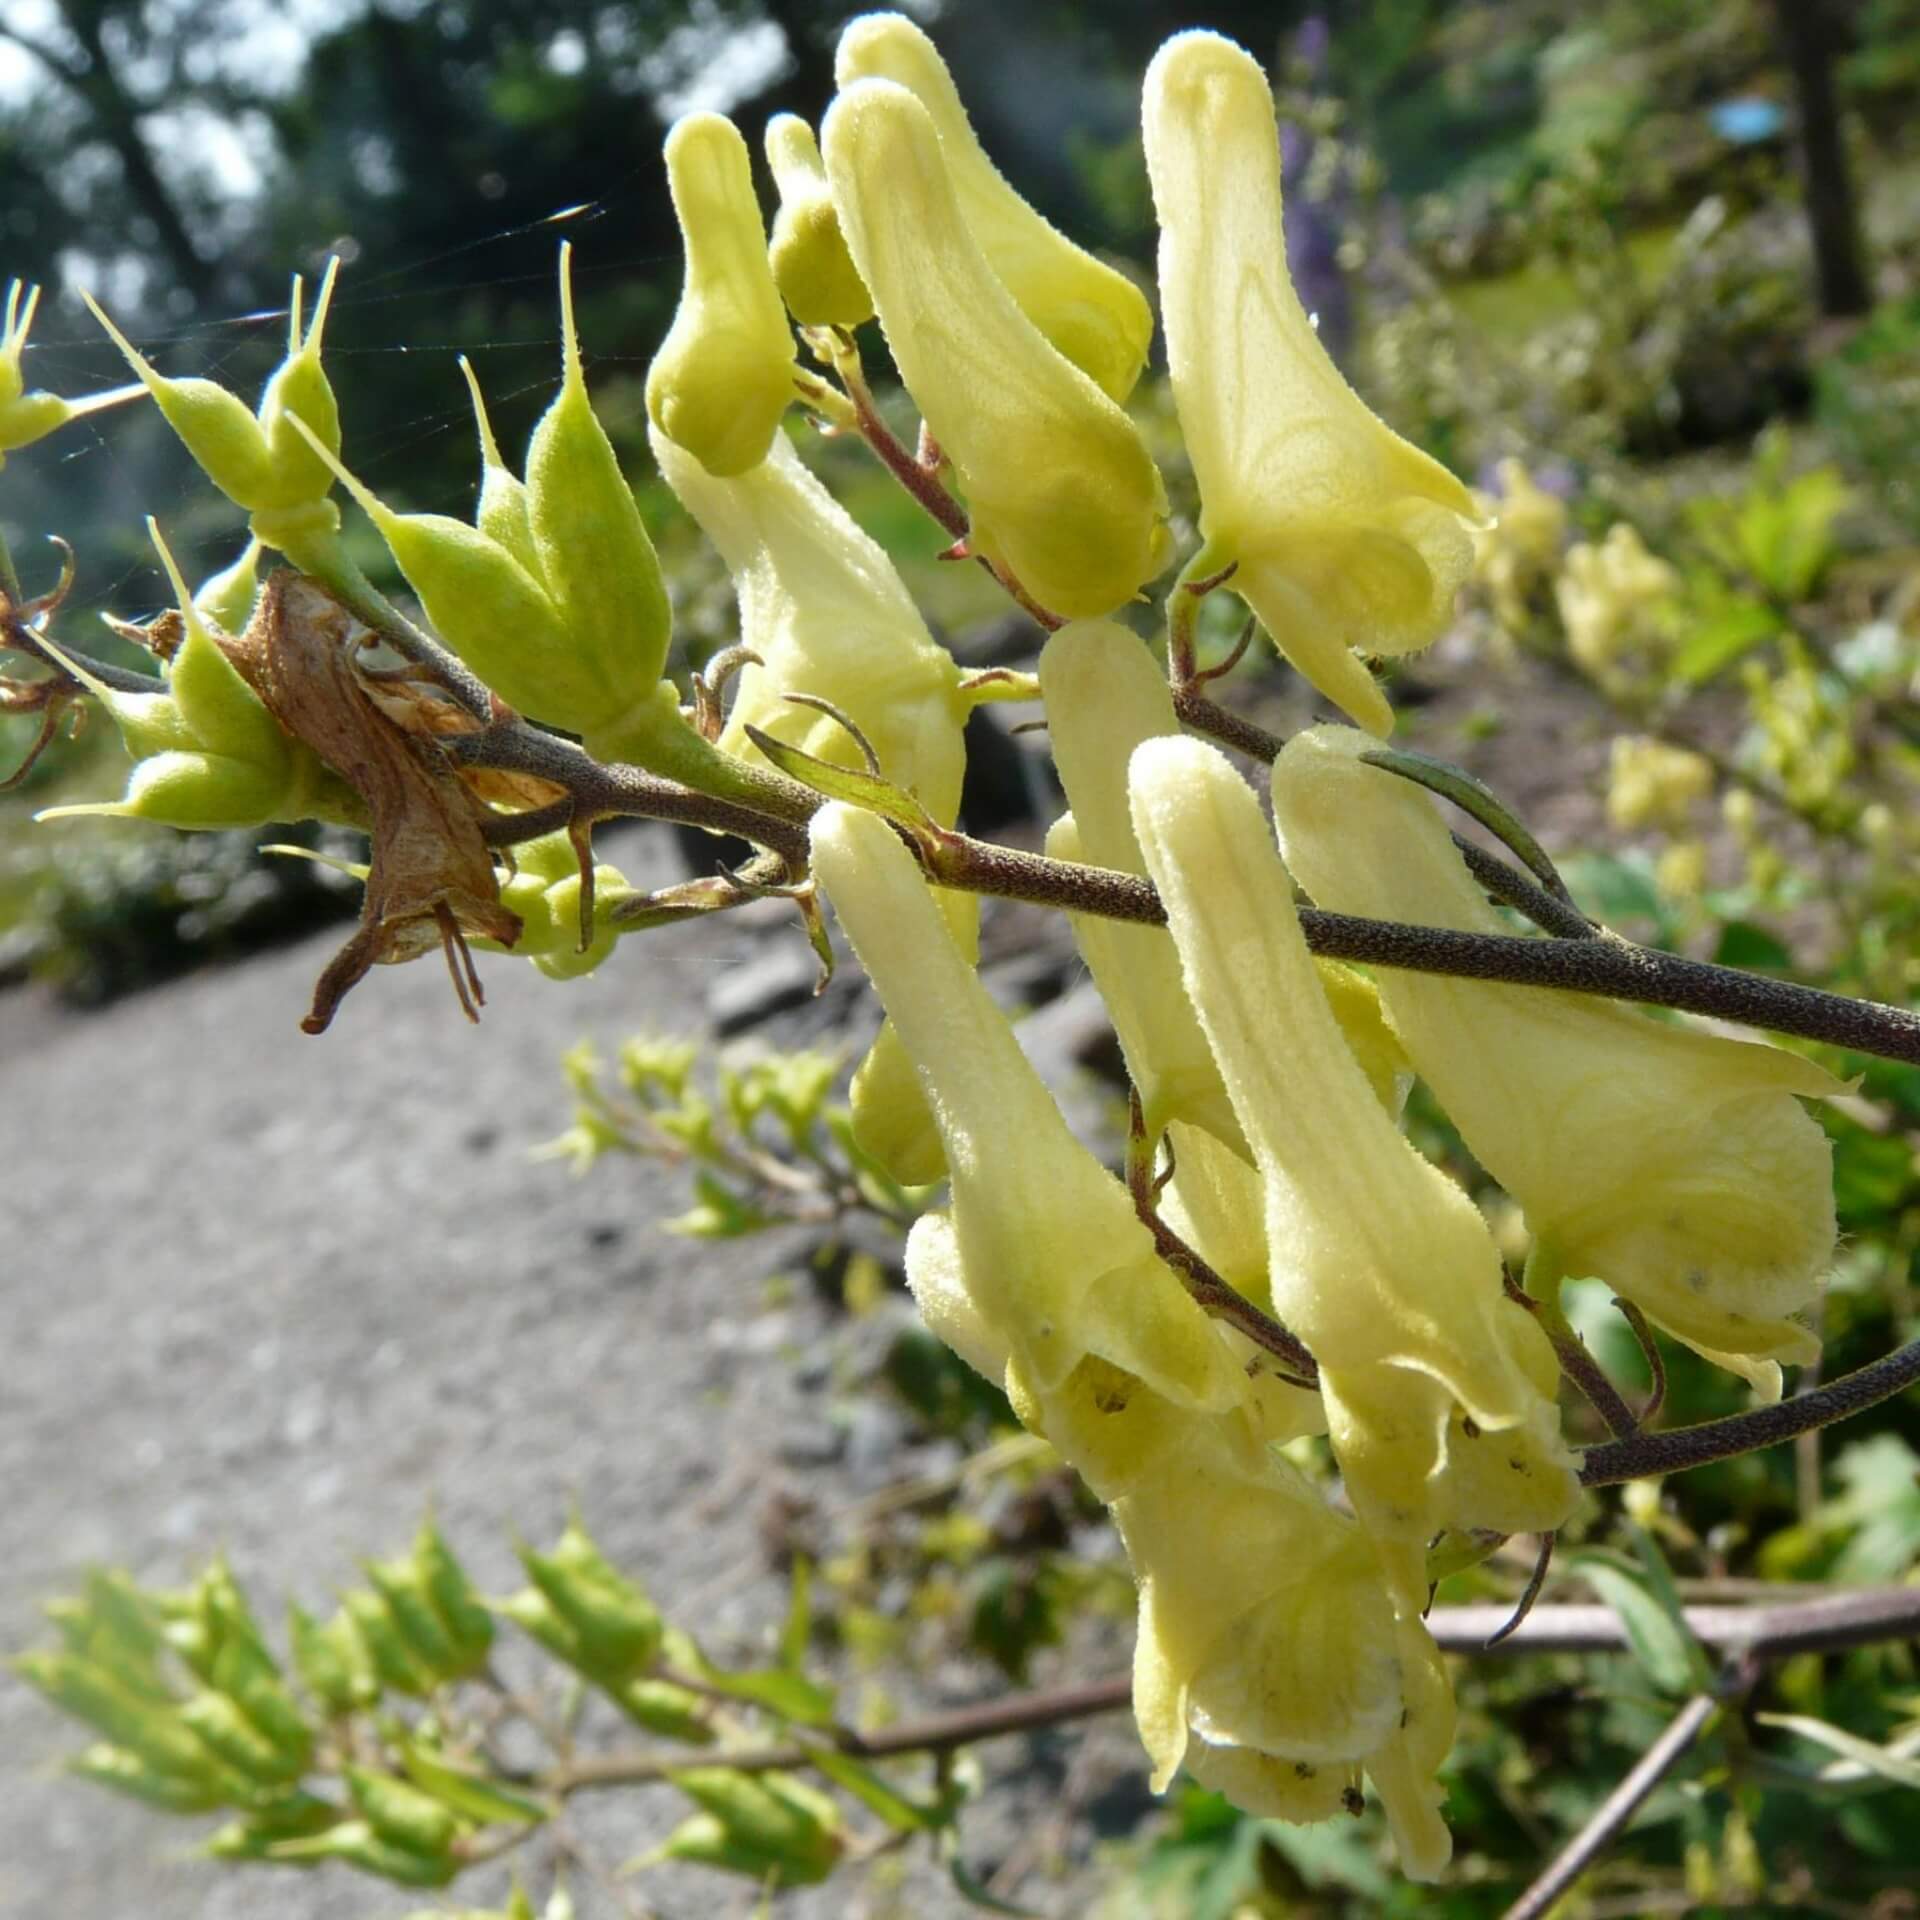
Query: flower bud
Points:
[492, 612]
[208, 753]
[356, 1843]
[154, 1733]
[402, 1586]
[1053, 1253]
[1089, 314]
[468, 1623]
[765, 1824]
[26, 417]
[225, 600]
[400, 1813]
[501, 511]
[262, 462]
[1673, 1164]
[618, 1627]
[332, 1661]
[122, 1772]
[1059, 484]
[673, 1712]
[387, 1649]
[724, 374]
[250, 1678]
[594, 556]
[219, 1725]
[1347, 540]
[808, 252]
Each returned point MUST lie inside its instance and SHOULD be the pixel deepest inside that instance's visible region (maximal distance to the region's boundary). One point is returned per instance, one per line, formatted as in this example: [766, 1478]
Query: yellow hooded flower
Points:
[1060, 488]
[1054, 1257]
[724, 374]
[1088, 313]
[1377, 1261]
[1675, 1165]
[1270, 1658]
[808, 252]
[1652, 784]
[822, 606]
[1612, 598]
[1348, 540]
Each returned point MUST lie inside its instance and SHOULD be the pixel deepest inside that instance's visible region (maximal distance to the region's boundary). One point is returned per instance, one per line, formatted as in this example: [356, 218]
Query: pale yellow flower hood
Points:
[822, 606]
[1095, 317]
[1349, 541]
[1059, 486]
[1377, 1260]
[1054, 1257]
[1675, 1165]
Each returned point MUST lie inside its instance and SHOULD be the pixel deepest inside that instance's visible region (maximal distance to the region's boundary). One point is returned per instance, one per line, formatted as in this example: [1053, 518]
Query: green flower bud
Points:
[26, 417]
[541, 1622]
[675, 1713]
[333, 1661]
[1089, 314]
[218, 1723]
[1060, 486]
[401, 1813]
[618, 1627]
[87, 1692]
[473, 1797]
[724, 374]
[393, 1661]
[251, 1680]
[263, 463]
[355, 1843]
[768, 1823]
[593, 553]
[226, 600]
[545, 893]
[400, 1584]
[491, 611]
[122, 1772]
[209, 754]
[468, 1623]
[808, 252]
[501, 512]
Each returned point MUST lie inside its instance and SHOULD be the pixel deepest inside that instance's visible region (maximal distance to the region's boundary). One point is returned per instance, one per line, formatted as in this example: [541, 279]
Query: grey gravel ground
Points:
[269, 1292]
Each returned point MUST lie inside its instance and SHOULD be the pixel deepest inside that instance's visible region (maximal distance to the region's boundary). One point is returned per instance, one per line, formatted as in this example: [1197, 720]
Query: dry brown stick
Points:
[1616, 1809]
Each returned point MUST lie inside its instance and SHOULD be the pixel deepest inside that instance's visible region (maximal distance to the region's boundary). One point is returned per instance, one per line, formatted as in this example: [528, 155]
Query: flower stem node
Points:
[1064, 496]
[1088, 313]
[724, 374]
[1349, 541]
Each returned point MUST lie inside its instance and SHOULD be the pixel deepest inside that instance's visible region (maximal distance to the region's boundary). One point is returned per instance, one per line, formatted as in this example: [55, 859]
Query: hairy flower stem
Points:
[1677, 1448]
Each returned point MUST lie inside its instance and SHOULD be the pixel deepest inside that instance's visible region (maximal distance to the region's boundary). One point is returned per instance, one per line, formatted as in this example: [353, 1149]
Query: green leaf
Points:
[1720, 632]
[1894, 1767]
[1742, 944]
[1658, 1643]
[799, 1627]
[975, 1895]
[855, 786]
[873, 1793]
[790, 1695]
[1474, 798]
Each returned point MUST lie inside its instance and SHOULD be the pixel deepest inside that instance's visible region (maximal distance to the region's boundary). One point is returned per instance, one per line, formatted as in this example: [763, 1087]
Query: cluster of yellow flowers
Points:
[1282, 1653]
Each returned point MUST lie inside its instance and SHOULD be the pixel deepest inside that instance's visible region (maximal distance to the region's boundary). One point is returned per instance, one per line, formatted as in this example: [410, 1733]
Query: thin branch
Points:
[1616, 1809]
[1507, 884]
[1678, 1448]
[1613, 968]
[1833, 1621]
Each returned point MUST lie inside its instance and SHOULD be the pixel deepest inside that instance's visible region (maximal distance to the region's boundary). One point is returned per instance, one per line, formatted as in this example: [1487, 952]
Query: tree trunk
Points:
[1809, 29]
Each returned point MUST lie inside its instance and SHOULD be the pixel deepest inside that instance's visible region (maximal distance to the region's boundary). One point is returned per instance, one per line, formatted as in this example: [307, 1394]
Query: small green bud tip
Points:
[489, 447]
[26, 417]
[226, 599]
[808, 252]
[724, 375]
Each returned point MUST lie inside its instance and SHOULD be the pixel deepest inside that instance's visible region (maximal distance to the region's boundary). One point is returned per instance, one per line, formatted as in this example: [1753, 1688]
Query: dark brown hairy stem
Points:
[1678, 1448]
[1613, 968]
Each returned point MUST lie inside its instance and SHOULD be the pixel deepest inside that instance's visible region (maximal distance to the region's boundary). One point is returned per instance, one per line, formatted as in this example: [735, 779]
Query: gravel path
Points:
[268, 1292]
